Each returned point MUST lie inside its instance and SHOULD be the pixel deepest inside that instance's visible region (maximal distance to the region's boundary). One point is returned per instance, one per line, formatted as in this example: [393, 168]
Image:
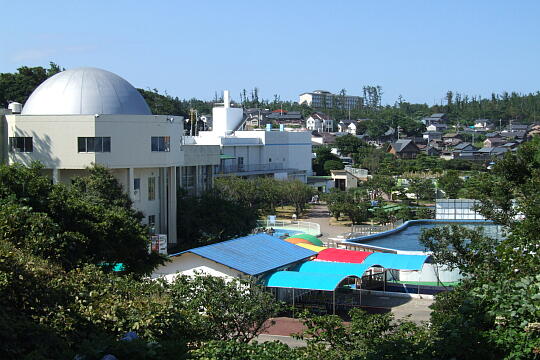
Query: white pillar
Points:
[171, 206]
[55, 175]
[131, 177]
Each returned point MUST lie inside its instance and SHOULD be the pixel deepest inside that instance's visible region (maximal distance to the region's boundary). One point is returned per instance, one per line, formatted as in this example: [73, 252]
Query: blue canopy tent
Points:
[397, 262]
[327, 267]
[306, 281]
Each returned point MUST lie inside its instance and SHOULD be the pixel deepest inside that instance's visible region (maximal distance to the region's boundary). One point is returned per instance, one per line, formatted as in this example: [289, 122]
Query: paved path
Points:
[319, 214]
[416, 310]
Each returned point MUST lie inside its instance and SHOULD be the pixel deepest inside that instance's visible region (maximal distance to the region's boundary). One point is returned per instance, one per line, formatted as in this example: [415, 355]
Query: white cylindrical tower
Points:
[226, 119]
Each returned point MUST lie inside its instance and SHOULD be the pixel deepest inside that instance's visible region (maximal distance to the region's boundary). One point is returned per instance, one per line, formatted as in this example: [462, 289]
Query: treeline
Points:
[461, 108]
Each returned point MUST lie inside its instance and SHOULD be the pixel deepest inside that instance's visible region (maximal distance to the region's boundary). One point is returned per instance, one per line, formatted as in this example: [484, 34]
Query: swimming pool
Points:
[407, 236]
[405, 239]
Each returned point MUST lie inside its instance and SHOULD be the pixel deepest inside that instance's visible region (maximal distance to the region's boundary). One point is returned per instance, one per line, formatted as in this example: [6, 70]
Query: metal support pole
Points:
[334, 298]
[419, 283]
[293, 303]
[384, 279]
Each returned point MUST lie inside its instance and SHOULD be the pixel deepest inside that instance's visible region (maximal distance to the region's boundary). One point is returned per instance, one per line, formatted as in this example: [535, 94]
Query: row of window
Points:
[89, 144]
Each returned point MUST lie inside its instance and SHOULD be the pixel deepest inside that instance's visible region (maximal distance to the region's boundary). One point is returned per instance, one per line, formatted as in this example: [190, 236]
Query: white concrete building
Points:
[282, 154]
[320, 99]
[84, 116]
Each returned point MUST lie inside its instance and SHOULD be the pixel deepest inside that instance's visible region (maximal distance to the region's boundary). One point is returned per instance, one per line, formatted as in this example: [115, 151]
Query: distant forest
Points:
[462, 109]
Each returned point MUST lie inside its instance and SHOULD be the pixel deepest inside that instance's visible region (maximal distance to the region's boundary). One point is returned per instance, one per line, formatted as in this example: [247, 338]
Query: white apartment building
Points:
[86, 115]
[321, 99]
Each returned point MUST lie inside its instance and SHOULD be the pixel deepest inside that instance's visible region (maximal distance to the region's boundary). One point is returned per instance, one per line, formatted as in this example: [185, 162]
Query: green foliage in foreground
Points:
[49, 313]
[90, 222]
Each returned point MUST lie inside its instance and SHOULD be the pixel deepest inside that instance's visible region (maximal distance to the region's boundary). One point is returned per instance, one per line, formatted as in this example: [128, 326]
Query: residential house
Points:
[432, 135]
[404, 149]
[483, 124]
[464, 150]
[347, 126]
[319, 122]
[437, 127]
[349, 177]
[494, 142]
[435, 119]
[286, 117]
[487, 153]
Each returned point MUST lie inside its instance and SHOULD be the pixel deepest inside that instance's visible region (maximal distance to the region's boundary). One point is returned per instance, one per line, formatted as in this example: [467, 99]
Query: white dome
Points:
[85, 91]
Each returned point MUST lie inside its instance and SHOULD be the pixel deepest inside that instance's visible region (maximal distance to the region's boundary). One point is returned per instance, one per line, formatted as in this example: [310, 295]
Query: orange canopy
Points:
[297, 241]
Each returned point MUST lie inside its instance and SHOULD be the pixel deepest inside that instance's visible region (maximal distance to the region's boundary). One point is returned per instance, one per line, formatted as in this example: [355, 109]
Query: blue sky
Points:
[419, 49]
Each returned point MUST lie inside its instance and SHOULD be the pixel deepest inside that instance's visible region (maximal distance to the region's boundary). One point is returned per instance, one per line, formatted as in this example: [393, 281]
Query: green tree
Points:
[297, 194]
[422, 188]
[91, 221]
[451, 183]
[322, 155]
[233, 309]
[333, 165]
[18, 86]
[494, 311]
[349, 144]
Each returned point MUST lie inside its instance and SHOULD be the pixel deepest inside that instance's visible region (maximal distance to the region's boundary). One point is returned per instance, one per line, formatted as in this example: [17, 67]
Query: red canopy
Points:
[342, 255]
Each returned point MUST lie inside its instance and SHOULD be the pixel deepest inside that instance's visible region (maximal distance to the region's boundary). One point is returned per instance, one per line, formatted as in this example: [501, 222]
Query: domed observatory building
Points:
[87, 115]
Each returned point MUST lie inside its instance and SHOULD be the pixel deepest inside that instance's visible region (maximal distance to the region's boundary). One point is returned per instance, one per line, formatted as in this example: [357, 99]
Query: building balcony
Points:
[249, 168]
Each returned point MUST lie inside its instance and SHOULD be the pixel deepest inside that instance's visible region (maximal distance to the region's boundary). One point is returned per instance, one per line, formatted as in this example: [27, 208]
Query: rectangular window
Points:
[21, 144]
[151, 220]
[161, 143]
[94, 144]
[151, 188]
[136, 184]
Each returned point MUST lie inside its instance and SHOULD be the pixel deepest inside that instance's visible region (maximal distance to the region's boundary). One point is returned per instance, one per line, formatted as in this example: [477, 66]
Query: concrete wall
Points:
[55, 139]
[189, 263]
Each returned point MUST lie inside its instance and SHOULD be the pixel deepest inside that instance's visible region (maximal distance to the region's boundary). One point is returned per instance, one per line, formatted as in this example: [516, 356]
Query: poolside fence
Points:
[302, 226]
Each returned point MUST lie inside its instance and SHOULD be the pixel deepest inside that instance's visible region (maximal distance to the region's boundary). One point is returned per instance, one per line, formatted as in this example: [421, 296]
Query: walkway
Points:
[319, 214]
[416, 310]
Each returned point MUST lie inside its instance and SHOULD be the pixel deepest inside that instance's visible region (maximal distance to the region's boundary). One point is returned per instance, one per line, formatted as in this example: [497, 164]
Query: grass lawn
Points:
[286, 212]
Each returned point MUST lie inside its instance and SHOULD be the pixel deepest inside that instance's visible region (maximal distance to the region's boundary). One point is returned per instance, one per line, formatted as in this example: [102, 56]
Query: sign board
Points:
[159, 243]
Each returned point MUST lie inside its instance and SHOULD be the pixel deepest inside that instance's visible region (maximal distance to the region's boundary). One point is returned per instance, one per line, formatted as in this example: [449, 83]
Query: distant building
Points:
[404, 149]
[494, 142]
[484, 124]
[437, 127]
[320, 99]
[348, 126]
[286, 117]
[435, 119]
[320, 122]
[349, 177]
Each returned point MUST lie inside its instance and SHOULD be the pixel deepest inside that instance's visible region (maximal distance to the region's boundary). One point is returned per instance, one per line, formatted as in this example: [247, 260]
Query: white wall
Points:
[55, 139]
[189, 263]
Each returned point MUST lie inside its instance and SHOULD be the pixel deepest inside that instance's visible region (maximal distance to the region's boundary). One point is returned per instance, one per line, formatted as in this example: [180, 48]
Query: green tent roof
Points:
[312, 239]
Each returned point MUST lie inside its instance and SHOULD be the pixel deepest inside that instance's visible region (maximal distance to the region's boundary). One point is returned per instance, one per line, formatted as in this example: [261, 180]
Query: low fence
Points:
[301, 226]
[362, 230]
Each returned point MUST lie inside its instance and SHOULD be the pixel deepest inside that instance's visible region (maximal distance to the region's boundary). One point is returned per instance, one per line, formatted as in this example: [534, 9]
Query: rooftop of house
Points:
[401, 144]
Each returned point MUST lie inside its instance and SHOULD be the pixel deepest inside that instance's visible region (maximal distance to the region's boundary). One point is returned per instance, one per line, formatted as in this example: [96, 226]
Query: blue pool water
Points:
[407, 236]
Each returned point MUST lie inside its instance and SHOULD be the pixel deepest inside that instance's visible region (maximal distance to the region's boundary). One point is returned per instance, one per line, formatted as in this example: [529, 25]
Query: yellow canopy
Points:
[312, 247]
